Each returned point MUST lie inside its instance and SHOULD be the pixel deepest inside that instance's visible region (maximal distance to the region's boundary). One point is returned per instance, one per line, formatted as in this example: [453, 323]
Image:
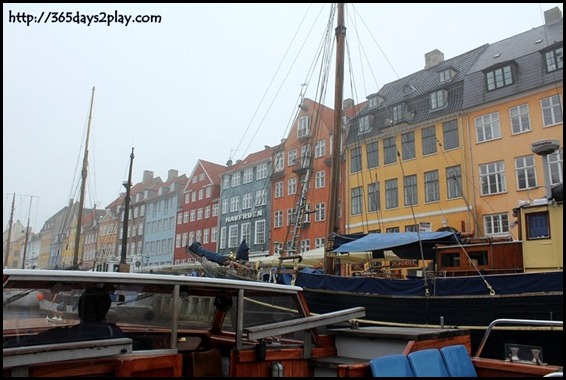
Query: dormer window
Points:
[304, 127]
[397, 113]
[498, 78]
[438, 99]
[408, 89]
[364, 124]
[446, 75]
[374, 101]
[554, 59]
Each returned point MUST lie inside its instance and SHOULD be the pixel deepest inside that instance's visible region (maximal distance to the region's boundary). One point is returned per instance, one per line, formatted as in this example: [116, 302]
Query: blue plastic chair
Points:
[458, 361]
[427, 363]
[396, 365]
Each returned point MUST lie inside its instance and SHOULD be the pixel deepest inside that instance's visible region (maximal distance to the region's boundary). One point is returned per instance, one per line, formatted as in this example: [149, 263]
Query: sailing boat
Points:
[463, 285]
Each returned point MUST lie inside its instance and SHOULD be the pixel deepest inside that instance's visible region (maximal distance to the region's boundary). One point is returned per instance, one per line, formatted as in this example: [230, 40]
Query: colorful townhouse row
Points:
[454, 145]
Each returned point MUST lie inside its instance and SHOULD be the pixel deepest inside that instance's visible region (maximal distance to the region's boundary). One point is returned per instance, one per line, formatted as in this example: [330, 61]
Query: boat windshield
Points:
[149, 313]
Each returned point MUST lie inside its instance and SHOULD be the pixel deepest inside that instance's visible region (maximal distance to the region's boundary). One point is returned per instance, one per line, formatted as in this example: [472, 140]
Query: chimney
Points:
[433, 58]
[172, 174]
[147, 175]
[552, 15]
[347, 103]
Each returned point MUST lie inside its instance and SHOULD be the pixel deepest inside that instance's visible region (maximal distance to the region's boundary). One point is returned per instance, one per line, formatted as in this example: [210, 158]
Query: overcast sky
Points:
[210, 81]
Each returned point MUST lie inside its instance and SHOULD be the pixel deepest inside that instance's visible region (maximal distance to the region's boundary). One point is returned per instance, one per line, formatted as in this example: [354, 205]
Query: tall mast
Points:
[83, 188]
[334, 222]
[7, 252]
[128, 185]
[27, 234]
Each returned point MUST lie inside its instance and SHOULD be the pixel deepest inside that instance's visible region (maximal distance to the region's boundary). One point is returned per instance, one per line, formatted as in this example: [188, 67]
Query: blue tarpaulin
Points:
[406, 245]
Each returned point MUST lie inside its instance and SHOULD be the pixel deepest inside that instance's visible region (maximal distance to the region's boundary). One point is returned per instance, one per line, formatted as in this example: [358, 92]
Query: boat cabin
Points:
[172, 326]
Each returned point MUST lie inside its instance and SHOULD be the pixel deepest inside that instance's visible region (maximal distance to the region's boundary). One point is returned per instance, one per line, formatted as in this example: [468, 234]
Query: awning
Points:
[406, 245]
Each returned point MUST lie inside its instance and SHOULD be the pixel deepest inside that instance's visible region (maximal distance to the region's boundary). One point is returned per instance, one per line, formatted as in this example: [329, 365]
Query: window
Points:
[555, 167]
[207, 212]
[356, 160]
[554, 60]
[261, 197]
[492, 178]
[412, 228]
[450, 133]
[525, 171]
[193, 215]
[389, 150]
[305, 245]
[320, 179]
[305, 156]
[223, 238]
[487, 127]
[291, 186]
[373, 102]
[438, 99]
[374, 203]
[356, 207]
[445, 75]
[398, 113]
[278, 189]
[208, 192]
[224, 206]
[248, 175]
[260, 232]
[408, 145]
[320, 148]
[411, 194]
[454, 181]
[391, 194]
[279, 161]
[428, 136]
[292, 157]
[372, 155]
[364, 124]
[520, 121]
[226, 182]
[236, 179]
[247, 201]
[246, 231]
[304, 127]
[432, 186]
[496, 224]
[319, 212]
[235, 203]
[278, 219]
[261, 172]
[551, 110]
[319, 242]
[392, 230]
[450, 260]
[290, 216]
[538, 225]
[499, 78]
[233, 236]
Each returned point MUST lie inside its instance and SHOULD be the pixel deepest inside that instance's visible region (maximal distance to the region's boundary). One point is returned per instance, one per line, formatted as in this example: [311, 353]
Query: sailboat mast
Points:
[124, 267]
[333, 222]
[83, 189]
[7, 252]
[27, 234]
